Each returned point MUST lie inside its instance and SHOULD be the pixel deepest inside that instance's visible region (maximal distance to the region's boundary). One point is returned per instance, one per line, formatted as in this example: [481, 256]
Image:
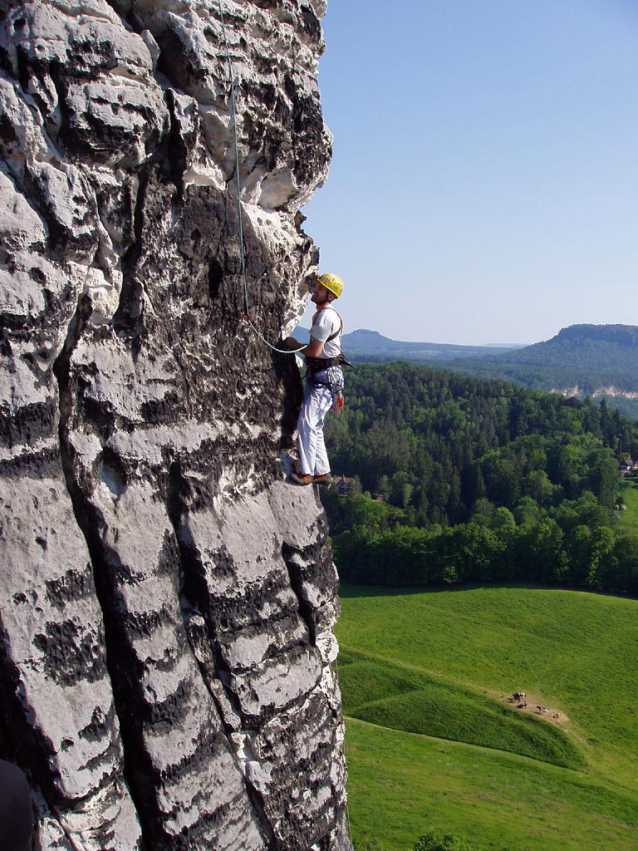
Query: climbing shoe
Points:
[300, 478]
[323, 479]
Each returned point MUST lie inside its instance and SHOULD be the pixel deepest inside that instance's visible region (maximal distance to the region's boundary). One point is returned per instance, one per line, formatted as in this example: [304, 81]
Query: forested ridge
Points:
[587, 347]
[477, 481]
[582, 359]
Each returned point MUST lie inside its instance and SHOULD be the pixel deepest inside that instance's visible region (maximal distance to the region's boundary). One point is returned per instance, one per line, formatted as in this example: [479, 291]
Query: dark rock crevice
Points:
[123, 669]
[19, 741]
[128, 317]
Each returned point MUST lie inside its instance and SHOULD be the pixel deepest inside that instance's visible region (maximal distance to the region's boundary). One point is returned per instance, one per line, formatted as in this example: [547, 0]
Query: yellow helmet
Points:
[332, 283]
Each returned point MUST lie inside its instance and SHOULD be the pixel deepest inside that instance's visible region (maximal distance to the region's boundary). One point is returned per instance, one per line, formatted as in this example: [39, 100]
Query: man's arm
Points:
[312, 350]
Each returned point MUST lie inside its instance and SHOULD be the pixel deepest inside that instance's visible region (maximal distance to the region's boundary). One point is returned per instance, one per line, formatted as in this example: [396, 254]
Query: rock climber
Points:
[324, 381]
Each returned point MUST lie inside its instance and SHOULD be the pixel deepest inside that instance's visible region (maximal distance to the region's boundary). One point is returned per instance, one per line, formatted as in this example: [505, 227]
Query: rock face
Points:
[166, 601]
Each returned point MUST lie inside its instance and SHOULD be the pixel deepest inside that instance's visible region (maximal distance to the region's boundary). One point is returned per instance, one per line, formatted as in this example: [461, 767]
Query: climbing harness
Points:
[246, 315]
[327, 374]
[333, 377]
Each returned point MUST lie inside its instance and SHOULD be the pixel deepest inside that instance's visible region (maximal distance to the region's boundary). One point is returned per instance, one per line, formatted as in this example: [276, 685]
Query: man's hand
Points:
[291, 343]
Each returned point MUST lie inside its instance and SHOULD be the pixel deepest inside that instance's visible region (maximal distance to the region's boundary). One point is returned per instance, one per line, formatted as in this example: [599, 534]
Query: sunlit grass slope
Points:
[401, 785]
[403, 699]
[436, 662]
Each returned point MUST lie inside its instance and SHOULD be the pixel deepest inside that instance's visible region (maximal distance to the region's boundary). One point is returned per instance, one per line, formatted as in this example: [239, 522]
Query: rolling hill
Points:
[599, 361]
[370, 347]
[586, 347]
[364, 344]
[434, 741]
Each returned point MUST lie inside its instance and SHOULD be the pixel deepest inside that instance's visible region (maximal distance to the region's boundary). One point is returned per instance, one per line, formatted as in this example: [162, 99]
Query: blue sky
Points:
[484, 181]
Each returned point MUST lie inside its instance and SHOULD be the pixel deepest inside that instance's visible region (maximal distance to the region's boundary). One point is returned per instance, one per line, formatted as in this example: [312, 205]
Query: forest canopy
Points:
[457, 479]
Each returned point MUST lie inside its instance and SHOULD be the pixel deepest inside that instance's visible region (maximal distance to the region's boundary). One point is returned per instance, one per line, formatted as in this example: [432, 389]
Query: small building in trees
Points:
[343, 484]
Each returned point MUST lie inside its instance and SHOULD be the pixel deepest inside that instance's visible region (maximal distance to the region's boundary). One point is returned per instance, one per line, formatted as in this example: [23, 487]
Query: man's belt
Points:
[317, 364]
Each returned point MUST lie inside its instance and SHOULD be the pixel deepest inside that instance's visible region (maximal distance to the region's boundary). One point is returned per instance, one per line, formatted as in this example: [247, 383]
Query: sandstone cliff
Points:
[166, 601]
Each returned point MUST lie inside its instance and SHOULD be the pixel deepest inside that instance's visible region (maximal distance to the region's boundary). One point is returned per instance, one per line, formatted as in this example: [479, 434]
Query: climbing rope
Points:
[233, 107]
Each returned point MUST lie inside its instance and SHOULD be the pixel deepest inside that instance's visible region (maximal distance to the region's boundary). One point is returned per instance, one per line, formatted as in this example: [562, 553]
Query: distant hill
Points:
[364, 343]
[587, 347]
[370, 346]
[600, 361]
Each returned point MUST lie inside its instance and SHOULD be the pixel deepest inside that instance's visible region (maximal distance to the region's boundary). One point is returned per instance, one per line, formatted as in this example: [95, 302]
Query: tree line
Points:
[461, 480]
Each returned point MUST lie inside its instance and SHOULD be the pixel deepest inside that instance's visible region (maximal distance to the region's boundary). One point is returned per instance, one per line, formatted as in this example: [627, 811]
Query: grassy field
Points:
[629, 518]
[403, 699]
[419, 665]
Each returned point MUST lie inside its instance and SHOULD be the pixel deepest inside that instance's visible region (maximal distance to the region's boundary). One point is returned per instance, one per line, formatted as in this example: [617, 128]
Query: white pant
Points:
[317, 401]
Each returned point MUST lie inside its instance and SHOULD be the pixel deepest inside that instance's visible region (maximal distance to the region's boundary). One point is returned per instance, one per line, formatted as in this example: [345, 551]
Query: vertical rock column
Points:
[166, 602]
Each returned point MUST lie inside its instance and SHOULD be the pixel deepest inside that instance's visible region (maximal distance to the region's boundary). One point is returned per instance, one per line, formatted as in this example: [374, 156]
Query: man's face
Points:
[319, 294]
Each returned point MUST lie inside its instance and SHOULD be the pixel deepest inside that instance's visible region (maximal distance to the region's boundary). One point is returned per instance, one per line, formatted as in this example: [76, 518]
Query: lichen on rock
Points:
[167, 602]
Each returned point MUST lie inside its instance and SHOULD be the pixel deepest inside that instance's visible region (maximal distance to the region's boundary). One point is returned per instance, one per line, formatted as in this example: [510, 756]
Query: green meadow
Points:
[629, 518]
[434, 741]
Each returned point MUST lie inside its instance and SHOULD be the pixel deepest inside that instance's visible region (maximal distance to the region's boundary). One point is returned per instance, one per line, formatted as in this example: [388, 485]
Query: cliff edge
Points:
[166, 601]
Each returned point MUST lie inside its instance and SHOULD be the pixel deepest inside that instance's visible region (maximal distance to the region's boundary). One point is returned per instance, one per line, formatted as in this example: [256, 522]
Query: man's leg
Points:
[312, 449]
[322, 464]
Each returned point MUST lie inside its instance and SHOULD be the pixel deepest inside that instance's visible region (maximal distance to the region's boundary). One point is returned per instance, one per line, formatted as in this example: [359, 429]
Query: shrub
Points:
[432, 841]
[368, 845]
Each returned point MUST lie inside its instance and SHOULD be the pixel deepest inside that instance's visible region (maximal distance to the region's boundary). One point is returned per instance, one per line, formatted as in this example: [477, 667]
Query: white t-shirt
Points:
[324, 324]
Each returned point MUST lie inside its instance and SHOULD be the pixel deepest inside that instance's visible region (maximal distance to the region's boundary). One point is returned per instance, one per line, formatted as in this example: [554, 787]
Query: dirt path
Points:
[533, 705]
